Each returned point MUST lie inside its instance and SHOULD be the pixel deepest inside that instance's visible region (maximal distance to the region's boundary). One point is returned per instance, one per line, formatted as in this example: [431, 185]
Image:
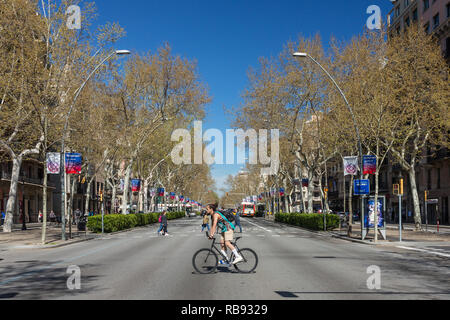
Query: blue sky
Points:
[227, 37]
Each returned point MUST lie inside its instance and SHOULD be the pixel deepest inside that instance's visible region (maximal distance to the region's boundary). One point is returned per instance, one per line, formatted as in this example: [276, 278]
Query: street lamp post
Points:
[62, 160]
[358, 136]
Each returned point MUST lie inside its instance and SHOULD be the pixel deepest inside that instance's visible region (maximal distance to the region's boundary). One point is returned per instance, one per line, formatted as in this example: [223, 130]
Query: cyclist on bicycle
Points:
[226, 229]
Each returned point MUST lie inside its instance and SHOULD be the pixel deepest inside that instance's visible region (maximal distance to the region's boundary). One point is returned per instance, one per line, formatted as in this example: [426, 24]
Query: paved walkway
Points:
[33, 235]
[392, 235]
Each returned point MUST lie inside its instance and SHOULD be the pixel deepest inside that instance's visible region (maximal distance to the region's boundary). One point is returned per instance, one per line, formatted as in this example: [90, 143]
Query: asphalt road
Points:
[293, 264]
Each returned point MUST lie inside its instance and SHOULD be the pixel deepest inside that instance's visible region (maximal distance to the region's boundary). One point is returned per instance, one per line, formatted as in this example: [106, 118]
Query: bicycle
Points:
[206, 260]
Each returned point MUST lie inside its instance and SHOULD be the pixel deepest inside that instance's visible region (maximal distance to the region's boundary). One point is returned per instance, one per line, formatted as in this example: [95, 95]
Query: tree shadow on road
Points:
[33, 280]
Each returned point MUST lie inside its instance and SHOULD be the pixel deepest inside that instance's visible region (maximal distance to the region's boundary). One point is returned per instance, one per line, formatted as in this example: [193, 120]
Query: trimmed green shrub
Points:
[118, 222]
[312, 221]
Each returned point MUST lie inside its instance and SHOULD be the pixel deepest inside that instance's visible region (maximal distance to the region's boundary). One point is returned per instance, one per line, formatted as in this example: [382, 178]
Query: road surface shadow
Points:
[33, 280]
[295, 294]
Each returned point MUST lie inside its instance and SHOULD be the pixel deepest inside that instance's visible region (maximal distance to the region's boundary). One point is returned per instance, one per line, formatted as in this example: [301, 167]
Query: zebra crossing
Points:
[187, 228]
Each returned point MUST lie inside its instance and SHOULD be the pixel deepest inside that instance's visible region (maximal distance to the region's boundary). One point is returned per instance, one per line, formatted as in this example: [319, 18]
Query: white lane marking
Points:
[259, 226]
[276, 235]
[426, 251]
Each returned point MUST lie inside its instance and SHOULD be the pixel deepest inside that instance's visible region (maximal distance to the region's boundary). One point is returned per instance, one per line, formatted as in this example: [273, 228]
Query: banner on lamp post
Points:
[73, 163]
[53, 162]
[305, 182]
[135, 185]
[350, 166]
[369, 164]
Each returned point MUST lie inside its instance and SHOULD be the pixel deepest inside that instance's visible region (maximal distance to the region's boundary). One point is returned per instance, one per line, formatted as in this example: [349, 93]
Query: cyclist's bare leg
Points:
[229, 245]
[223, 247]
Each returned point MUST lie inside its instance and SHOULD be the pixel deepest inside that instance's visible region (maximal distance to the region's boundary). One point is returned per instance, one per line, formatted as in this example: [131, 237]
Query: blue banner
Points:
[369, 217]
[73, 163]
[369, 164]
[135, 185]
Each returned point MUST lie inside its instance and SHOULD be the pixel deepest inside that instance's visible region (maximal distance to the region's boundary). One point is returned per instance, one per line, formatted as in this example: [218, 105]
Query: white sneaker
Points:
[238, 259]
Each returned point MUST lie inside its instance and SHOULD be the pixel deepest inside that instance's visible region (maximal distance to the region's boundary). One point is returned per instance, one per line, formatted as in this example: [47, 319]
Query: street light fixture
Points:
[62, 160]
[358, 137]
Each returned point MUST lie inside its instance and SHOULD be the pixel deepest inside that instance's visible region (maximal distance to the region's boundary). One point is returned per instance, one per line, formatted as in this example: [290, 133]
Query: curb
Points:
[352, 240]
[92, 238]
[328, 233]
[301, 228]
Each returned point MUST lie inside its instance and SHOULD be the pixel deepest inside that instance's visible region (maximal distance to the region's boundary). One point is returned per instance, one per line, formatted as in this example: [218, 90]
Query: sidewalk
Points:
[31, 238]
[410, 226]
[392, 235]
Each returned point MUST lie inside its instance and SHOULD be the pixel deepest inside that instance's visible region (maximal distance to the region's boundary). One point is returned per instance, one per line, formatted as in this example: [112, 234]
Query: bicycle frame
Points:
[217, 249]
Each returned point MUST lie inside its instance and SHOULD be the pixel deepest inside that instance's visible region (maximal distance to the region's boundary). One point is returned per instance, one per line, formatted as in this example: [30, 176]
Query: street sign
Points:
[432, 201]
[361, 187]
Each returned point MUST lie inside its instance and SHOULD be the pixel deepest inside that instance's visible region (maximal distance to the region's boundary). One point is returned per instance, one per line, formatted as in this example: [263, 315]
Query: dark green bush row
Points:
[117, 222]
[312, 221]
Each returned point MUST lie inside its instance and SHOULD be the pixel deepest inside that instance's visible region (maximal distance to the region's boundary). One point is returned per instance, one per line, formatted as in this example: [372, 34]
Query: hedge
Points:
[117, 222]
[312, 221]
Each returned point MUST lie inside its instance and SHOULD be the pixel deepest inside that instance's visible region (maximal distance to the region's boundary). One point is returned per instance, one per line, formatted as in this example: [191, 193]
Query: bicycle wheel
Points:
[250, 261]
[205, 261]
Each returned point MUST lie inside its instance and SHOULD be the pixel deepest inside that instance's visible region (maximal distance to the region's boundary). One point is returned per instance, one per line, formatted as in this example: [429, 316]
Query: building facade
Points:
[29, 191]
[433, 15]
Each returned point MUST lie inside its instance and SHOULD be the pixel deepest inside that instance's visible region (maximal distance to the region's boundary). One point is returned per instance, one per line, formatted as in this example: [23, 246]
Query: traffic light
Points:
[426, 195]
[401, 187]
[101, 196]
[396, 188]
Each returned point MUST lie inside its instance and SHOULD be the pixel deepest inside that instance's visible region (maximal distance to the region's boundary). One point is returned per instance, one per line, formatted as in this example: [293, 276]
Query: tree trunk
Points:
[113, 200]
[415, 198]
[12, 198]
[72, 192]
[152, 204]
[145, 196]
[88, 197]
[286, 202]
[310, 192]
[126, 187]
[375, 205]
[44, 207]
[350, 201]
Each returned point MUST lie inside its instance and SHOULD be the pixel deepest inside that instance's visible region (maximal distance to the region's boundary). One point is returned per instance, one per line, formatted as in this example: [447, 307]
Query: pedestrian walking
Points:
[205, 223]
[3, 218]
[160, 224]
[40, 217]
[164, 223]
[237, 220]
[52, 216]
[77, 216]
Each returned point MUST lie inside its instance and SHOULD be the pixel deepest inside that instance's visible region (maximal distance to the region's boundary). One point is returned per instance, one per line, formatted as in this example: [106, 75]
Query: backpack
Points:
[159, 220]
[228, 218]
